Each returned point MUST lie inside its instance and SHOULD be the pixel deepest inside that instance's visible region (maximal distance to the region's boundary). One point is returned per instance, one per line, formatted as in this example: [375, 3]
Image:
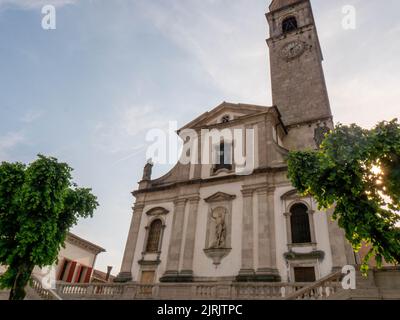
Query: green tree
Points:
[39, 203]
[357, 172]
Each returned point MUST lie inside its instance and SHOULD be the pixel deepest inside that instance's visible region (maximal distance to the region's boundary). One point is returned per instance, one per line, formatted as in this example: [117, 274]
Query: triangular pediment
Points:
[235, 111]
[292, 195]
[220, 196]
[159, 211]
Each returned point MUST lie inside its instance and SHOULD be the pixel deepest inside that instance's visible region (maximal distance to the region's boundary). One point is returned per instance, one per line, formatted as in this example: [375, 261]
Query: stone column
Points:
[246, 272]
[172, 273]
[271, 216]
[342, 253]
[130, 247]
[198, 165]
[264, 259]
[262, 144]
[269, 137]
[312, 226]
[188, 253]
[288, 229]
[267, 270]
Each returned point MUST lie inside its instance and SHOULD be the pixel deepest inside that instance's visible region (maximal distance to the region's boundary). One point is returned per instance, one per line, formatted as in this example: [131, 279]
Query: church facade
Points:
[213, 221]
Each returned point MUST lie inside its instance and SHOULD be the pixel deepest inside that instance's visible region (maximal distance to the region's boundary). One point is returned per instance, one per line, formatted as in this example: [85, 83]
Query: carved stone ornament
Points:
[158, 211]
[220, 196]
[319, 134]
[317, 254]
[219, 215]
[217, 254]
[219, 226]
[147, 170]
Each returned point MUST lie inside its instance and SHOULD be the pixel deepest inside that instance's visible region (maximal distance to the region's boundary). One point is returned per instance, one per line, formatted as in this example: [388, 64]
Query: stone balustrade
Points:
[89, 291]
[380, 284]
[45, 294]
[186, 291]
[320, 290]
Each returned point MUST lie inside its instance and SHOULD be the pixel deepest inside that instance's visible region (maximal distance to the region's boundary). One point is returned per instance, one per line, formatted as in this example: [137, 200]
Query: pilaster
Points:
[247, 270]
[267, 270]
[188, 253]
[125, 274]
[172, 273]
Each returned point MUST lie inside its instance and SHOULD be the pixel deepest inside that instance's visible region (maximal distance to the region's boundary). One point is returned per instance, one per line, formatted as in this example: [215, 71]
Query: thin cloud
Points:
[120, 135]
[31, 116]
[137, 150]
[228, 46]
[8, 142]
[34, 4]
[374, 102]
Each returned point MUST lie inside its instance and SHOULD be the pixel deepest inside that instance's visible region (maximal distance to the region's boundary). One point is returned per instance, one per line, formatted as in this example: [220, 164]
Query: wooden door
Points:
[304, 274]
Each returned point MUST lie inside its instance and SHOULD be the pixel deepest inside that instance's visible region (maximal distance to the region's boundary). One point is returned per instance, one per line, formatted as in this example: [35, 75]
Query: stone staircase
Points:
[4, 294]
[322, 289]
[380, 284]
[34, 291]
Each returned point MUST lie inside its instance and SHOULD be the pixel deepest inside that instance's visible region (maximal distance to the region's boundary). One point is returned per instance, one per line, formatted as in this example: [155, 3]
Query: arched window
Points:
[224, 156]
[289, 24]
[154, 237]
[300, 224]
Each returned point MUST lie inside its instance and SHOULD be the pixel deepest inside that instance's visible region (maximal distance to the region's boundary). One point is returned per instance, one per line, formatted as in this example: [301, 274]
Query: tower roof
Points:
[277, 4]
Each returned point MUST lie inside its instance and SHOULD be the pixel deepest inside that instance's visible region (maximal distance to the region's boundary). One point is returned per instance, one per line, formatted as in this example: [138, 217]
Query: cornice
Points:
[209, 180]
[84, 244]
[274, 11]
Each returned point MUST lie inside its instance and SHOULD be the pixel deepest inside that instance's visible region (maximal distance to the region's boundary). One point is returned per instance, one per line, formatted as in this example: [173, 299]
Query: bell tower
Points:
[297, 77]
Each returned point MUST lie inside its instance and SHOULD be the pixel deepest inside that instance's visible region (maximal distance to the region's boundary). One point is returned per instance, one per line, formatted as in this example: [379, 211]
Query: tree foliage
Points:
[39, 203]
[358, 172]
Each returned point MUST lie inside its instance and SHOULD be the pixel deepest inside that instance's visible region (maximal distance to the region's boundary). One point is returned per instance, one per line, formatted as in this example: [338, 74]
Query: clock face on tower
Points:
[292, 49]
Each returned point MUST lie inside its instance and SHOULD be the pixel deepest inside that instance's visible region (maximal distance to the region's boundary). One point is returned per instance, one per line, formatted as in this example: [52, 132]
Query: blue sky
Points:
[88, 91]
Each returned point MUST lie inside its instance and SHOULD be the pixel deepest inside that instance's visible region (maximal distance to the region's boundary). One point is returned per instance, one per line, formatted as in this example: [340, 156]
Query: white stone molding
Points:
[291, 198]
[154, 218]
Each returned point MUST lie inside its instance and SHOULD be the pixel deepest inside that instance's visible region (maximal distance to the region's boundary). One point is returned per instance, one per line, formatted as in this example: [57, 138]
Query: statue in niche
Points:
[319, 134]
[147, 170]
[218, 216]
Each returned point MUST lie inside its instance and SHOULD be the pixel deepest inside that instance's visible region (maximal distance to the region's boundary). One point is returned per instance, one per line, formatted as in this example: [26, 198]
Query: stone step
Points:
[381, 284]
[4, 294]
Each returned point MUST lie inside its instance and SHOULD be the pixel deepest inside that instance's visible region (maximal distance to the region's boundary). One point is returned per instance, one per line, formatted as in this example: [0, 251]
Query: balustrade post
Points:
[156, 292]
[90, 290]
[193, 290]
